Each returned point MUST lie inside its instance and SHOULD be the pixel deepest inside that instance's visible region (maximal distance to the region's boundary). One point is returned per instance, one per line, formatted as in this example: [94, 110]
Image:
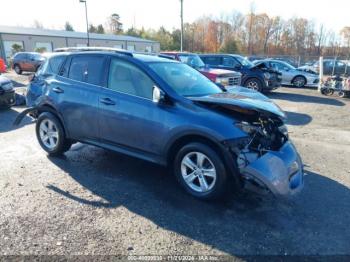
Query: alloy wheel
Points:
[299, 82]
[198, 172]
[48, 134]
[253, 85]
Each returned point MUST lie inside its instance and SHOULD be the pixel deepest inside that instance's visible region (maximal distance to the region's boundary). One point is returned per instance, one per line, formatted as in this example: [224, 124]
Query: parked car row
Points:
[207, 134]
[330, 67]
[289, 74]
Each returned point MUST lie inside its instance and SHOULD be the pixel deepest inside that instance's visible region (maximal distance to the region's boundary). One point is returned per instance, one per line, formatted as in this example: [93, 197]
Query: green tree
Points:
[68, 27]
[40, 49]
[100, 29]
[229, 46]
[92, 29]
[115, 26]
[16, 48]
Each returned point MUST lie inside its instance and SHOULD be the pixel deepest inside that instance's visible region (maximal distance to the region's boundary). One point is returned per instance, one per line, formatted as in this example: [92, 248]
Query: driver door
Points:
[129, 119]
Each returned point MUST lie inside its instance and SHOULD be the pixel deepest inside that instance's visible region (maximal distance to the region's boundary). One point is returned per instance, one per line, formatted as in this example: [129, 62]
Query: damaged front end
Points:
[266, 158]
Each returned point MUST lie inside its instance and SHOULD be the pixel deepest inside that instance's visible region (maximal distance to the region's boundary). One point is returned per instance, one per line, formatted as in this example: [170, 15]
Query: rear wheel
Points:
[200, 171]
[299, 81]
[50, 134]
[254, 84]
[17, 69]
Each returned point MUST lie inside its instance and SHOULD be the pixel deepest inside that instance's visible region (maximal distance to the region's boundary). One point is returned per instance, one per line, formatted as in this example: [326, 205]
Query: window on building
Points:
[127, 78]
[42, 47]
[148, 49]
[87, 68]
[81, 45]
[131, 47]
[118, 46]
[12, 47]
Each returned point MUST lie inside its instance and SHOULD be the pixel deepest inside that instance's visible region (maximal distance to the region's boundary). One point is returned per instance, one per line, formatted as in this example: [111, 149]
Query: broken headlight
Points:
[284, 130]
[246, 127]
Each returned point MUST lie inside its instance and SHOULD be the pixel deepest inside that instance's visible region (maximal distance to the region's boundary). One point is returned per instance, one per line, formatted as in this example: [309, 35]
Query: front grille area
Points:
[234, 81]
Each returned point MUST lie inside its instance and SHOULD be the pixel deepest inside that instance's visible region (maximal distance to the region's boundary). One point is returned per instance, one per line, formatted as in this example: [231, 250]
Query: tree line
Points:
[250, 34]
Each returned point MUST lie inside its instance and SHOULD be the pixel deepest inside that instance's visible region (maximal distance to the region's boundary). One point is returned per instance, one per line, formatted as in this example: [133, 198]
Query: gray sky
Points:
[155, 13]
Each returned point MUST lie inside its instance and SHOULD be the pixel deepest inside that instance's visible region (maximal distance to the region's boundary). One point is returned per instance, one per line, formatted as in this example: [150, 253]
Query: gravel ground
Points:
[95, 202]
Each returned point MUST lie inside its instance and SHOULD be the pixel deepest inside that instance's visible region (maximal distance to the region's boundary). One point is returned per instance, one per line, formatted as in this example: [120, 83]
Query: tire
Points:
[56, 142]
[254, 84]
[341, 94]
[299, 81]
[215, 183]
[17, 69]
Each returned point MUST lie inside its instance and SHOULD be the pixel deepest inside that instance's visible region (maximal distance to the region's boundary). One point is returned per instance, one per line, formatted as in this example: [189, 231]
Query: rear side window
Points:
[55, 64]
[87, 69]
[212, 60]
[126, 78]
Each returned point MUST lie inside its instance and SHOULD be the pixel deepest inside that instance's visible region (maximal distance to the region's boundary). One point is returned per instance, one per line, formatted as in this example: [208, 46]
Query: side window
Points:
[229, 61]
[277, 65]
[55, 64]
[213, 60]
[87, 68]
[126, 78]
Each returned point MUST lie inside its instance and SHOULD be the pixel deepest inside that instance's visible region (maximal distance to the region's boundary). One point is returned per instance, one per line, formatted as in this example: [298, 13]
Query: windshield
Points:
[192, 60]
[245, 62]
[185, 80]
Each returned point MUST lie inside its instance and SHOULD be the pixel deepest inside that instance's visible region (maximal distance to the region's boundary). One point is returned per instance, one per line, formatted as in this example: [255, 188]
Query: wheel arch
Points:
[299, 76]
[49, 108]
[219, 148]
[255, 77]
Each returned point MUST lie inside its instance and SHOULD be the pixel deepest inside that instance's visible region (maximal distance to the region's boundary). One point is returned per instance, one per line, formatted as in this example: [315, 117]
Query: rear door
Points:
[76, 91]
[129, 118]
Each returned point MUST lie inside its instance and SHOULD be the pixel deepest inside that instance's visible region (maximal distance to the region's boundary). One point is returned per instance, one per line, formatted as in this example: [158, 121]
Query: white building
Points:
[33, 39]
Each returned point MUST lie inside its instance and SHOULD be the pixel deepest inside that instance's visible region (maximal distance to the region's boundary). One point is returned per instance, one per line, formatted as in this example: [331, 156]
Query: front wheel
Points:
[299, 81]
[17, 69]
[50, 134]
[200, 171]
[254, 84]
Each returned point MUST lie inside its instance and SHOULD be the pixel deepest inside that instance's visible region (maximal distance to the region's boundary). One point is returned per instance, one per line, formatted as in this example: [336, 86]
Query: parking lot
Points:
[95, 202]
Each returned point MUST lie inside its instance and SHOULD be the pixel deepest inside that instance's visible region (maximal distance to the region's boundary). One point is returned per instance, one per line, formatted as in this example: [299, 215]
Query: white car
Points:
[291, 75]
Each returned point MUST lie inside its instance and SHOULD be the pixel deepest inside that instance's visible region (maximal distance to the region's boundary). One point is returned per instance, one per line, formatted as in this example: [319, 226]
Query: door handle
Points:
[57, 90]
[107, 101]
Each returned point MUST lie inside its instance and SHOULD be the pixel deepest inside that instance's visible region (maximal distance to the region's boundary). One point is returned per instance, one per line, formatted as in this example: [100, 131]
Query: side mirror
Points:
[158, 95]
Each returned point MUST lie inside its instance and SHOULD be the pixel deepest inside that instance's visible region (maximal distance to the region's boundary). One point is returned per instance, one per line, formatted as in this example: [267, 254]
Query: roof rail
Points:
[155, 54]
[93, 48]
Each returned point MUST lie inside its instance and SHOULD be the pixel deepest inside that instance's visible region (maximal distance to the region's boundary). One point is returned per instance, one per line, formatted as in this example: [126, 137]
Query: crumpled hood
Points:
[244, 98]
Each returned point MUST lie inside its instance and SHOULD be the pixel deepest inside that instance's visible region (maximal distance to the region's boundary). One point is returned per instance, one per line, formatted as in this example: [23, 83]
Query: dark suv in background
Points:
[26, 61]
[168, 113]
[253, 77]
[219, 76]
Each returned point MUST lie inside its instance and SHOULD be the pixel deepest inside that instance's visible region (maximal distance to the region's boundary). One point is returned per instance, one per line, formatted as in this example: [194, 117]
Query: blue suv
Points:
[168, 113]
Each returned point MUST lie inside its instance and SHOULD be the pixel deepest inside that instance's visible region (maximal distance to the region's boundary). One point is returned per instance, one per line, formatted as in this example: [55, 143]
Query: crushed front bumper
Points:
[281, 172]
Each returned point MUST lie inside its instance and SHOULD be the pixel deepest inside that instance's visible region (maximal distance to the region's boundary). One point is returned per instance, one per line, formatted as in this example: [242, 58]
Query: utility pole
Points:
[182, 25]
[87, 22]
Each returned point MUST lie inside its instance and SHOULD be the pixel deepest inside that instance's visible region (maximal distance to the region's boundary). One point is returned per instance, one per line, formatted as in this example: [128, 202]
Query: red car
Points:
[218, 76]
[2, 66]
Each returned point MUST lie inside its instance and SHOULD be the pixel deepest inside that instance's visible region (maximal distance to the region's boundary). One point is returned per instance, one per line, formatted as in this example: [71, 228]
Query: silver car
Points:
[291, 75]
